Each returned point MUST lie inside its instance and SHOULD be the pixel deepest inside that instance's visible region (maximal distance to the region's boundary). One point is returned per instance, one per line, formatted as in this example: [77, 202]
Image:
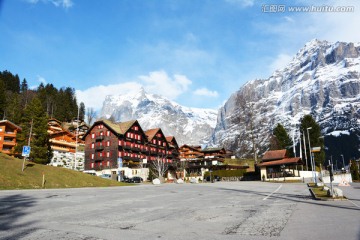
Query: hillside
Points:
[11, 176]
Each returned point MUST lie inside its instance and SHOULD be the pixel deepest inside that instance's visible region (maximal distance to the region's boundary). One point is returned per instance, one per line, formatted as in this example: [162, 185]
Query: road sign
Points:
[316, 149]
[120, 163]
[26, 151]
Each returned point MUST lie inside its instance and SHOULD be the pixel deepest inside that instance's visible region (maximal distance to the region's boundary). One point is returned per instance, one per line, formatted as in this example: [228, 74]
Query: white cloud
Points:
[158, 82]
[161, 83]
[206, 92]
[95, 96]
[57, 3]
[41, 79]
[280, 62]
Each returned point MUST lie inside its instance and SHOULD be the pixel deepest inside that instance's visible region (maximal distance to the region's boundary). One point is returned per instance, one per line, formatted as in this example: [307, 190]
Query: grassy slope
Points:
[11, 176]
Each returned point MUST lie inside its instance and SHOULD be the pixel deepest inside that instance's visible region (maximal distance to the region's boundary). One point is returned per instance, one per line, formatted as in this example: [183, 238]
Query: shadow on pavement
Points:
[12, 209]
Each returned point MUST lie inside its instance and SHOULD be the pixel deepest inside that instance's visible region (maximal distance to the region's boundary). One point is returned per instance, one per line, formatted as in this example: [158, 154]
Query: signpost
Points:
[25, 153]
[120, 164]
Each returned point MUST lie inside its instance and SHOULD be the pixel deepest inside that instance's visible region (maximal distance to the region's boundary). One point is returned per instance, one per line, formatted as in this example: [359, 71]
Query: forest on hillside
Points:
[32, 108]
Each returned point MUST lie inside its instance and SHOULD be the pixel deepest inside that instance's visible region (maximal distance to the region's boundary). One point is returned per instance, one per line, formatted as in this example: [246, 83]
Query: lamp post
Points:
[311, 157]
[343, 161]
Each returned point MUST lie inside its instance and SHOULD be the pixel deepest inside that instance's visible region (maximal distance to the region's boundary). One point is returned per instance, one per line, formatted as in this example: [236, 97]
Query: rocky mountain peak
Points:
[322, 79]
[188, 125]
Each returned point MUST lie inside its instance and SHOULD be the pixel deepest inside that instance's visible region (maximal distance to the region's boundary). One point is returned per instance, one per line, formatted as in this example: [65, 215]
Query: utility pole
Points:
[76, 138]
[343, 161]
[31, 126]
[307, 169]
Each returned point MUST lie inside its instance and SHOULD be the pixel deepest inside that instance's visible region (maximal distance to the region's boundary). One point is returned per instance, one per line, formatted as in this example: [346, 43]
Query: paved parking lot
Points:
[235, 210]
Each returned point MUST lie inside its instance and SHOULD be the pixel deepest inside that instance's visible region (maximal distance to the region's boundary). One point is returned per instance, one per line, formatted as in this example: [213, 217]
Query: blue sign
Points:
[26, 151]
[120, 163]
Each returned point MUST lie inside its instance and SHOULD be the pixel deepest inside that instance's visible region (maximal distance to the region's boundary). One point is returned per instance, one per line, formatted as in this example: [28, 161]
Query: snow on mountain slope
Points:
[188, 125]
[322, 79]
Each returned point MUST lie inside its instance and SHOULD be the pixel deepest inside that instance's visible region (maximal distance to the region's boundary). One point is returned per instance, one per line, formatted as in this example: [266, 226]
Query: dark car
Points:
[136, 180]
[125, 179]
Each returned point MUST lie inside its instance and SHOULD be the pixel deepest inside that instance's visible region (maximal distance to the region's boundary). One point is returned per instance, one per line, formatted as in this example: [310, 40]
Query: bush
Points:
[354, 171]
[226, 173]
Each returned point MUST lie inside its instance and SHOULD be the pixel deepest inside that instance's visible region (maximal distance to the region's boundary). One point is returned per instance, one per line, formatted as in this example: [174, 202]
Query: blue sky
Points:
[195, 52]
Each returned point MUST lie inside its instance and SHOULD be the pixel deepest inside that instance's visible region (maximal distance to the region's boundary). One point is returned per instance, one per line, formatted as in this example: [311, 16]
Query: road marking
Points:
[272, 192]
[354, 204]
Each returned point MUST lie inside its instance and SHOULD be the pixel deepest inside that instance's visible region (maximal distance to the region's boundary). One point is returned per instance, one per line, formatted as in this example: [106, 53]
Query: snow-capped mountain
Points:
[188, 125]
[322, 79]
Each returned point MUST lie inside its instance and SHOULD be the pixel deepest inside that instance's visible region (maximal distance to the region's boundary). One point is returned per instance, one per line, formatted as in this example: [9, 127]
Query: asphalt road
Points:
[236, 210]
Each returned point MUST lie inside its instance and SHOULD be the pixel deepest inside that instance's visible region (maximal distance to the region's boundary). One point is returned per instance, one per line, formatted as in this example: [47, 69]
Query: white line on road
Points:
[272, 192]
[354, 203]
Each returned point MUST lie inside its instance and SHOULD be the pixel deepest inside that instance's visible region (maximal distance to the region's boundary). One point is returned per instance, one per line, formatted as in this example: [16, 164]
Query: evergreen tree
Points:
[283, 139]
[354, 169]
[67, 107]
[36, 117]
[82, 111]
[2, 98]
[24, 86]
[48, 95]
[14, 110]
[316, 139]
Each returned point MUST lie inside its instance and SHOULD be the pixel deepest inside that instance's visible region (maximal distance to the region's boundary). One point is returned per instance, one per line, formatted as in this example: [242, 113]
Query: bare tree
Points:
[159, 167]
[249, 118]
[90, 115]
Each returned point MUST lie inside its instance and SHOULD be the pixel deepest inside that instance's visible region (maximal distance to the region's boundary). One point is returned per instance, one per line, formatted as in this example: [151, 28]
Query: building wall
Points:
[67, 160]
[7, 138]
[101, 146]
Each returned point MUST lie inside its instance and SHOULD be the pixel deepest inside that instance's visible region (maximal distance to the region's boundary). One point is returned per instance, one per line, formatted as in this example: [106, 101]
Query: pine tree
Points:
[2, 98]
[283, 139]
[14, 110]
[39, 140]
[354, 170]
[316, 139]
[82, 111]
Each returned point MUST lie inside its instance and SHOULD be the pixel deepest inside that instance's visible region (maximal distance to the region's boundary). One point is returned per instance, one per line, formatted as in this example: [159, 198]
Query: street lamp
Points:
[311, 157]
[343, 161]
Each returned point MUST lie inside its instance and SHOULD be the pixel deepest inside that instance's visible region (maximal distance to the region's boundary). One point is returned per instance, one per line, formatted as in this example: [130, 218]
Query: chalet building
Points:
[77, 127]
[164, 148]
[157, 144]
[124, 146]
[174, 158]
[8, 131]
[197, 160]
[173, 149]
[65, 146]
[188, 152]
[276, 165]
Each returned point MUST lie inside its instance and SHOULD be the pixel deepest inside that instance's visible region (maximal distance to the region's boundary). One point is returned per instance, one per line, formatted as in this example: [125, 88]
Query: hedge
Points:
[226, 173]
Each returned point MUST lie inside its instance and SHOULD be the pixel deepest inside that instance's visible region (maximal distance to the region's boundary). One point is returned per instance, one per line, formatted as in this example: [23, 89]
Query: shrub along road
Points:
[221, 210]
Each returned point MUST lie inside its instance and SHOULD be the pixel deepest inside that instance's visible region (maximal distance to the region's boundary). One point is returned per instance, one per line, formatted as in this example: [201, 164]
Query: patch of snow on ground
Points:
[338, 133]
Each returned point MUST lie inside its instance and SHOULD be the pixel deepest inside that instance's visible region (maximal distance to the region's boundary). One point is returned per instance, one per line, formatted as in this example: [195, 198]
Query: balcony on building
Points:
[100, 138]
[99, 148]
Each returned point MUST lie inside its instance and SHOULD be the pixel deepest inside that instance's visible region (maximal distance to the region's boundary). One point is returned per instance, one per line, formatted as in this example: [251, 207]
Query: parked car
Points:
[136, 180]
[91, 173]
[106, 176]
[125, 179]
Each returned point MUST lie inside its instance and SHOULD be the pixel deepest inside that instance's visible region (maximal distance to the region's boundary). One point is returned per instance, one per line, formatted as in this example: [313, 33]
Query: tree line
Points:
[31, 108]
